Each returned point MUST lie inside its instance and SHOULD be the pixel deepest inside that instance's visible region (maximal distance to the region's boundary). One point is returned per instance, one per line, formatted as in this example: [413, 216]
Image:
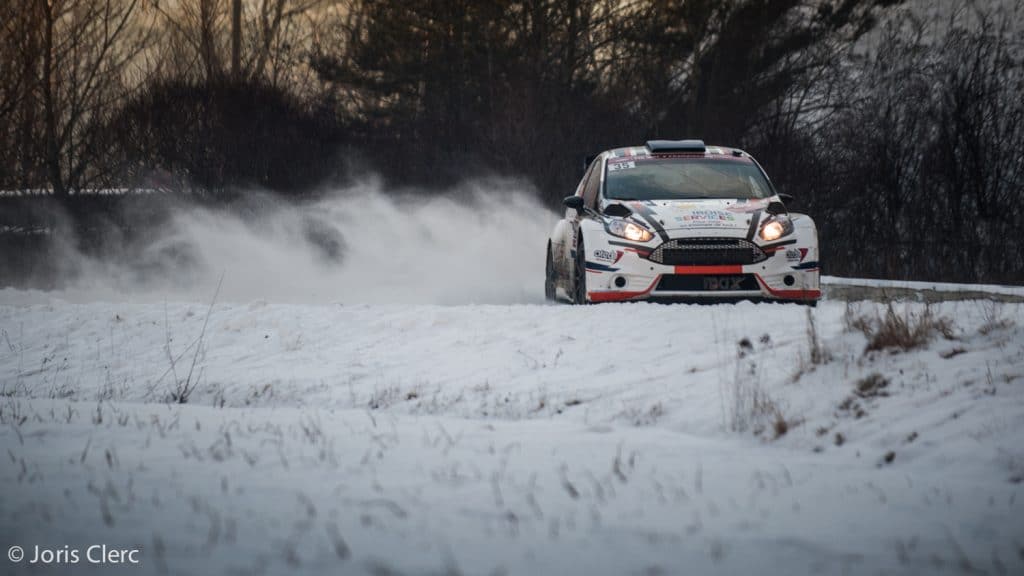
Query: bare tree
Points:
[923, 154]
[20, 54]
[282, 36]
[86, 49]
[255, 39]
[716, 67]
[236, 39]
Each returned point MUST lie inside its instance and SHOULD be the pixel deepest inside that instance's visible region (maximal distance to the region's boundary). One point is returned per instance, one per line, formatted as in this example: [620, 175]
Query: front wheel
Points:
[549, 277]
[579, 281]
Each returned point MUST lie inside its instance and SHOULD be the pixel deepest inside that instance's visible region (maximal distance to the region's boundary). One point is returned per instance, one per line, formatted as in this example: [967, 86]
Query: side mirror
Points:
[574, 202]
[787, 198]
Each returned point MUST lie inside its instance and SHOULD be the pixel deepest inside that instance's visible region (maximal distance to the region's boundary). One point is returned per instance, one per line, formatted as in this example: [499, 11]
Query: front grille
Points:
[707, 251]
[697, 283]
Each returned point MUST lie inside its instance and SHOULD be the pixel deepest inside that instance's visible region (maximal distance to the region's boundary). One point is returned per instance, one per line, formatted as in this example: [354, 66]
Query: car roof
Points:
[644, 152]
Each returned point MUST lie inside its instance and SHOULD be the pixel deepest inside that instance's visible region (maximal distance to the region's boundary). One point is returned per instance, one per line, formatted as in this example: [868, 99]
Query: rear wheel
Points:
[549, 277]
[579, 281]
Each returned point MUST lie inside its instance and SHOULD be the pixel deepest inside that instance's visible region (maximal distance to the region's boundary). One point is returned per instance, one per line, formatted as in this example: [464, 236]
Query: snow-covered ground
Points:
[519, 439]
[338, 419]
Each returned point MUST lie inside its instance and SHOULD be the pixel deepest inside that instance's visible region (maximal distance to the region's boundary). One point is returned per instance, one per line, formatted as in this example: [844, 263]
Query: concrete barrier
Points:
[853, 289]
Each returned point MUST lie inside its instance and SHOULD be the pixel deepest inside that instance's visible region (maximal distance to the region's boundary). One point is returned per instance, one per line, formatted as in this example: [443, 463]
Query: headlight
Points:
[776, 228]
[629, 231]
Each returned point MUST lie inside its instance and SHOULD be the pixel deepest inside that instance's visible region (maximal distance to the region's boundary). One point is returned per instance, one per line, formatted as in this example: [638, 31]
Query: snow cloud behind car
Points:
[359, 244]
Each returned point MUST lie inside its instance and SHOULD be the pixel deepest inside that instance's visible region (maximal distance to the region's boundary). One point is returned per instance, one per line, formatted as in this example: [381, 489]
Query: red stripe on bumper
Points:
[620, 296]
[789, 294]
[730, 269]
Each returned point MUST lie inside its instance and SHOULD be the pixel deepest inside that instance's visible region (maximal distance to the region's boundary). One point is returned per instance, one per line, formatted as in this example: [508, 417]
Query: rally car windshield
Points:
[683, 178]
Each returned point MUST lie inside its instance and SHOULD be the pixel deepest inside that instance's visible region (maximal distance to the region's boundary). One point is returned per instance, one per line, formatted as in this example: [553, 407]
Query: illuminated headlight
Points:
[628, 230]
[776, 228]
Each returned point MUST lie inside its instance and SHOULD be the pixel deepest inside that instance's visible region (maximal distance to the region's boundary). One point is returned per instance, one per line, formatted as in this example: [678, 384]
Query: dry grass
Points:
[994, 320]
[765, 414]
[754, 408]
[853, 321]
[780, 426]
[852, 407]
[818, 353]
[183, 387]
[872, 386]
[899, 332]
[644, 416]
[750, 406]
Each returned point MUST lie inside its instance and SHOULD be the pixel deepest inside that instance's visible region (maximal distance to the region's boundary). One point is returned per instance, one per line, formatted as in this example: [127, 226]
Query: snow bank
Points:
[523, 439]
[903, 287]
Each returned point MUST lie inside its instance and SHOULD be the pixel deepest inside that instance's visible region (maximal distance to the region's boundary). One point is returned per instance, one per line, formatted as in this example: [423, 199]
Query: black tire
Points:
[549, 277]
[579, 275]
[808, 303]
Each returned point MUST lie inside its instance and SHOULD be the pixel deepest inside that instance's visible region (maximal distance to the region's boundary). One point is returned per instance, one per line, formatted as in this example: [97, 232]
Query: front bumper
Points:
[618, 272]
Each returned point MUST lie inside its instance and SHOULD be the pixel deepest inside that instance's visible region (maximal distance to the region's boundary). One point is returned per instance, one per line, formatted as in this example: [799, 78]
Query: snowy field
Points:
[374, 392]
[510, 439]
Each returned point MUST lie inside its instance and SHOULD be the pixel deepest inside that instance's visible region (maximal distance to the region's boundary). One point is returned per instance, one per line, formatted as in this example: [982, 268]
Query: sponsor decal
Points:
[706, 219]
[793, 255]
[723, 282]
[709, 215]
[607, 255]
[643, 211]
[744, 206]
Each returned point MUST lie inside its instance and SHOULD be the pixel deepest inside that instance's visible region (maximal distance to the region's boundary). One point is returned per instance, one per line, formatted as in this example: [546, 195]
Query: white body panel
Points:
[618, 269]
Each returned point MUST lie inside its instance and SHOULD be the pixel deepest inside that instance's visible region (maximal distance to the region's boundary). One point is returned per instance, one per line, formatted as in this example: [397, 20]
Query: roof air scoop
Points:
[691, 146]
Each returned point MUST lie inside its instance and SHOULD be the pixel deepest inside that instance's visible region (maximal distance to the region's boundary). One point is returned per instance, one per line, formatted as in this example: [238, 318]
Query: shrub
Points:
[902, 332]
[224, 135]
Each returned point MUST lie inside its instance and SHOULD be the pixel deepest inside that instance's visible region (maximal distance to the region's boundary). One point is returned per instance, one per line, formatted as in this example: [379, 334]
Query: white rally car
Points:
[678, 220]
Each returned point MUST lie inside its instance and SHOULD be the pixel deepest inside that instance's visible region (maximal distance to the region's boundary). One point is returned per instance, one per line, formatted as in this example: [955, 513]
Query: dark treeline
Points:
[901, 134]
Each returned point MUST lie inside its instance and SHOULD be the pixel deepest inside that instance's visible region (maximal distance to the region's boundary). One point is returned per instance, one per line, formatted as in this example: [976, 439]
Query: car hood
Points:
[711, 214]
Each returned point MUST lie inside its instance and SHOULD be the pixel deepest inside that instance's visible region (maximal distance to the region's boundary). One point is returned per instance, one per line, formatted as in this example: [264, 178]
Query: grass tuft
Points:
[900, 332]
[872, 386]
